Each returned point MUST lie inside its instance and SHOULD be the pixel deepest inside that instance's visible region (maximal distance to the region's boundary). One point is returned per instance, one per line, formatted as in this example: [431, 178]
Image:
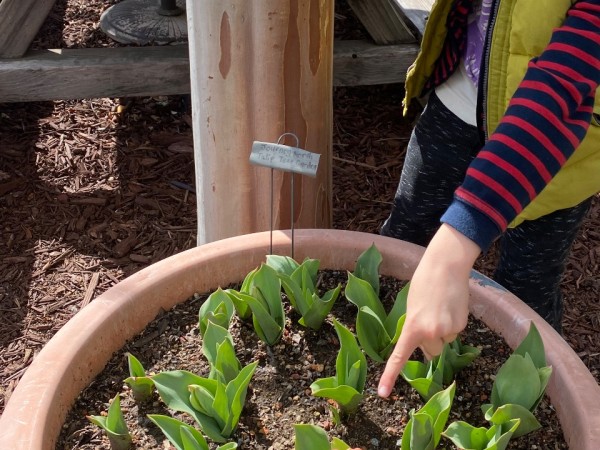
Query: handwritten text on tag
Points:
[284, 157]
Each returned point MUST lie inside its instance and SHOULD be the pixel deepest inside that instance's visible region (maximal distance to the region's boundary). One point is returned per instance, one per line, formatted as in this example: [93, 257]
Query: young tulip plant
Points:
[184, 436]
[425, 426]
[431, 377]
[114, 425]
[216, 402]
[347, 386]
[520, 385]
[377, 331]
[218, 308]
[312, 437]
[217, 347]
[467, 437]
[141, 385]
[261, 295]
[518, 388]
[299, 283]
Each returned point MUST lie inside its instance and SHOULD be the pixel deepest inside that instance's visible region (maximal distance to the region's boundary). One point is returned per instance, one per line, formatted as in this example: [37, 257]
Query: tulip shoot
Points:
[218, 309]
[424, 428]
[346, 387]
[299, 284]
[141, 385]
[184, 436]
[114, 425]
[520, 385]
[312, 437]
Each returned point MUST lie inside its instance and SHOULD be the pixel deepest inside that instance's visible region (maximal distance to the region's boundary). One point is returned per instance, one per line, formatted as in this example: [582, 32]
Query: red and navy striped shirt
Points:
[547, 118]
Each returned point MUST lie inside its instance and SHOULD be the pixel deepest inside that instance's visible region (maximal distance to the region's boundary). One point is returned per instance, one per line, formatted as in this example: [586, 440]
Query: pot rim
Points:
[36, 410]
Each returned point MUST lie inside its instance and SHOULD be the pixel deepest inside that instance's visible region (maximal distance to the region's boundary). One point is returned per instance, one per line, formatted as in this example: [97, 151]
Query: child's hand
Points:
[438, 301]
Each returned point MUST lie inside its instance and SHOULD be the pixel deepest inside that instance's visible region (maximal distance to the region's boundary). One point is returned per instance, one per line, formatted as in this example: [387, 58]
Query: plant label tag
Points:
[284, 157]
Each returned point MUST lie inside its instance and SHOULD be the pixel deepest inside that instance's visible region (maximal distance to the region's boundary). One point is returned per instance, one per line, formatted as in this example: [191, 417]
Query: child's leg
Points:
[439, 152]
[533, 257]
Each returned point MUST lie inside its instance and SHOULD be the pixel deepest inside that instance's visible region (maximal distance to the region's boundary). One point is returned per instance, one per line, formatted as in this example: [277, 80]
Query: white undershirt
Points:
[459, 95]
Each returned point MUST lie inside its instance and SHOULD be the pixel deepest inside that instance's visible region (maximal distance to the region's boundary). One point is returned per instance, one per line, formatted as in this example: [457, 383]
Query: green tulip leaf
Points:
[282, 264]
[320, 308]
[218, 308]
[396, 314]
[226, 366]
[361, 293]
[239, 301]
[534, 346]
[508, 412]
[114, 425]
[214, 336]
[348, 357]
[518, 382]
[180, 434]
[141, 385]
[310, 437]
[236, 396]
[367, 267]
[426, 379]
[418, 433]
[466, 436]
[371, 333]
[347, 398]
[172, 387]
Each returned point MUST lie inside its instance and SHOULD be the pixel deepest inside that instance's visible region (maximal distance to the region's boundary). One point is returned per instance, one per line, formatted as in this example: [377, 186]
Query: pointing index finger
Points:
[406, 345]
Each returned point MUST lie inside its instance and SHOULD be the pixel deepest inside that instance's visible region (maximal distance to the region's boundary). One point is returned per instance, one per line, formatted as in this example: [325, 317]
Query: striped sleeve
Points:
[546, 120]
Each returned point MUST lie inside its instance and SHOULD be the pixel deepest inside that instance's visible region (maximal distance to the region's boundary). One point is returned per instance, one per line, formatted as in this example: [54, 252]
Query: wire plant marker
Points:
[288, 159]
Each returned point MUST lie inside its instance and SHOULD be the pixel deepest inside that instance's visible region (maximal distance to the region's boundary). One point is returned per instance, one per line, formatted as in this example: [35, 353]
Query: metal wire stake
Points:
[292, 197]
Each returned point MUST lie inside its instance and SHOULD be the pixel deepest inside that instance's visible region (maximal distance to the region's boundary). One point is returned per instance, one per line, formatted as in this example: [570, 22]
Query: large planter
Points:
[37, 409]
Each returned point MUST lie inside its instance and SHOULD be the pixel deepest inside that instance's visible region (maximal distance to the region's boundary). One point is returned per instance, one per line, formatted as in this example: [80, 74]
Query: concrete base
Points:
[145, 22]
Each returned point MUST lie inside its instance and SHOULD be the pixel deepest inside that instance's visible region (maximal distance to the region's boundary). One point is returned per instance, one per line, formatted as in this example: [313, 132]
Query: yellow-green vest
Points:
[522, 30]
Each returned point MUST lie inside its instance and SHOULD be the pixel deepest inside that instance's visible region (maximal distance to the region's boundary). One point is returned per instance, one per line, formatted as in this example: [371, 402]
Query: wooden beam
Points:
[20, 21]
[146, 71]
[415, 13]
[383, 20]
[358, 63]
[94, 73]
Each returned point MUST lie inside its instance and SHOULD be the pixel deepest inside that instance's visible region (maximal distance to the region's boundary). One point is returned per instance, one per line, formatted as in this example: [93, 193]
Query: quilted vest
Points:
[522, 30]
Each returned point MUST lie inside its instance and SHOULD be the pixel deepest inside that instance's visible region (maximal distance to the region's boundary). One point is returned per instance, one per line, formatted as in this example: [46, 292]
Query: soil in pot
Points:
[279, 394]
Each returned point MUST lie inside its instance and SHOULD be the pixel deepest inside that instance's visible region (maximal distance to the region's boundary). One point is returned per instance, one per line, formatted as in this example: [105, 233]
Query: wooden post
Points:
[259, 69]
[20, 20]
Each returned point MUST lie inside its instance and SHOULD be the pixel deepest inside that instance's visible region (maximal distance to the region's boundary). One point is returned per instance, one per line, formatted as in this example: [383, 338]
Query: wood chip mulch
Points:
[94, 190]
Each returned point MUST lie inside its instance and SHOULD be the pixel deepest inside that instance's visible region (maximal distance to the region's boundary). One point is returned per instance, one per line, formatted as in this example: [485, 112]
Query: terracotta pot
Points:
[37, 408]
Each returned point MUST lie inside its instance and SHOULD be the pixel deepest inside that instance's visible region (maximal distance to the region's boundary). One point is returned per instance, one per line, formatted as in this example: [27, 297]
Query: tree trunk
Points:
[260, 69]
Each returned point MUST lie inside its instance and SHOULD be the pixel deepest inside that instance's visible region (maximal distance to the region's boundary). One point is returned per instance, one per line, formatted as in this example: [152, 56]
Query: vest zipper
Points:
[483, 75]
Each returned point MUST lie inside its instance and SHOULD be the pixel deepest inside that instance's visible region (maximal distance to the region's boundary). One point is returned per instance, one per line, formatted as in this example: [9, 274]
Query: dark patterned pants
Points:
[532, 256]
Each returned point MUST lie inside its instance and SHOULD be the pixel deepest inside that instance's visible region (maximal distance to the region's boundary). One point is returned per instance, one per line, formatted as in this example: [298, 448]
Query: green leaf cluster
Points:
[216, 406]
[377, 331]
[520, 385]
[431, 377]
[184, 436]
[215, 402]
[218, 309]
[141, 385]
[218, 348]
[114, 425]
[518, 388]
[312, 437]
[347, 386]
[424, 428]
[299, 283]
[467, 437]
[260, 297]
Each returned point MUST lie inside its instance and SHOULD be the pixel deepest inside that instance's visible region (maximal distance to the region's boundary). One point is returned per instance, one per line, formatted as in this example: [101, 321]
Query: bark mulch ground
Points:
[91, 193]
